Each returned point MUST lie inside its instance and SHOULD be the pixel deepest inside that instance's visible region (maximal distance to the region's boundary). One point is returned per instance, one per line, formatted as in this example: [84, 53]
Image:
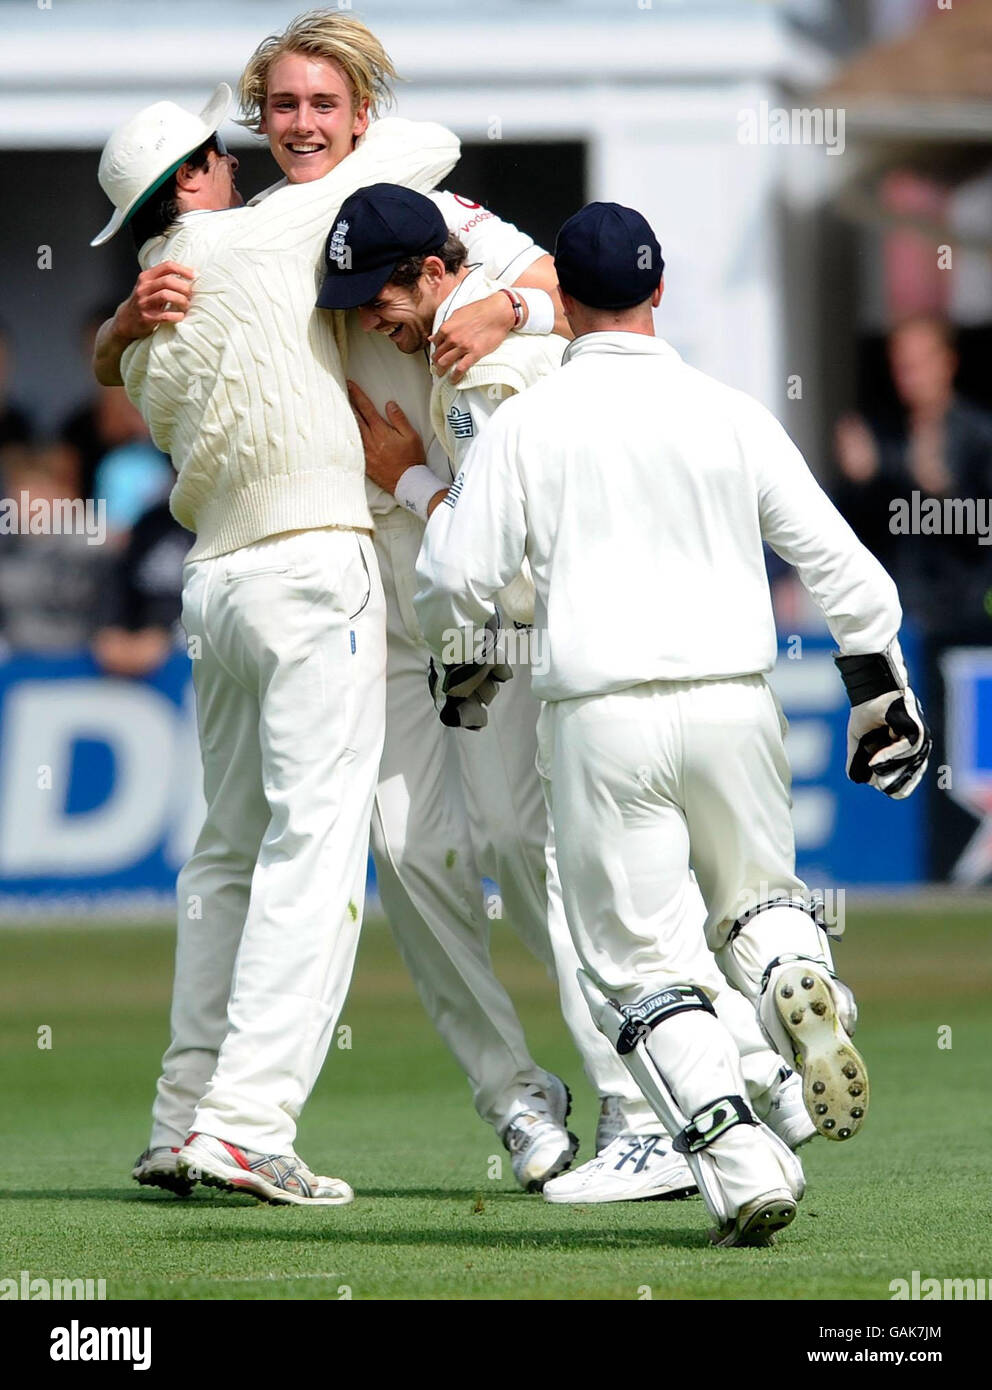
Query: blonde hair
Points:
[332, 37]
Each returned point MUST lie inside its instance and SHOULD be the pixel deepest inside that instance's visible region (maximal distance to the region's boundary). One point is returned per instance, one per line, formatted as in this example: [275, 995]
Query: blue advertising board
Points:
[100, 798]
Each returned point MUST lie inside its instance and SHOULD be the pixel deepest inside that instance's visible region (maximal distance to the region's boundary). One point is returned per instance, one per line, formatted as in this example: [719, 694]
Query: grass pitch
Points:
[392, 1115]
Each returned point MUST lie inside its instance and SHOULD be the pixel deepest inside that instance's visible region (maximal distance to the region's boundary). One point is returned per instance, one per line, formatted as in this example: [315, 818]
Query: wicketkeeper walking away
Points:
[641, 491]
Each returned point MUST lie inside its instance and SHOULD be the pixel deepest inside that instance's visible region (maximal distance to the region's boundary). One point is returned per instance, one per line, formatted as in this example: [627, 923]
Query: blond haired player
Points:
[284, 609]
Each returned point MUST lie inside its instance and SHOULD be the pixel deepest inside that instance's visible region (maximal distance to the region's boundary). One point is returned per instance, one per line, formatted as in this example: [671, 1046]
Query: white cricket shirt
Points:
[640, 490]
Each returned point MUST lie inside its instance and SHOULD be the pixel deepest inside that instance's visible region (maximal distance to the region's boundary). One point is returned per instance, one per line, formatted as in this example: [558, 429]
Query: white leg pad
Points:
[764, 936]
[685, 1064]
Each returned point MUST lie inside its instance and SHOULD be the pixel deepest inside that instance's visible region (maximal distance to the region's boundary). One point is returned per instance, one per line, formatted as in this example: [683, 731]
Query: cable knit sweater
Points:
[247, 394]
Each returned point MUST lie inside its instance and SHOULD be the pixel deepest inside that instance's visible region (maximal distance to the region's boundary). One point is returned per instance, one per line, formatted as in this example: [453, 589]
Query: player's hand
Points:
[391, 445]
[888, 742]
[462, 690]
[463, 711]
[470, 334]
[160, 295]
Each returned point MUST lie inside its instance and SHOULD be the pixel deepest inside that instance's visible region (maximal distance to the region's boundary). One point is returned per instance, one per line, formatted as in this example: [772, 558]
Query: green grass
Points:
[393, 1116]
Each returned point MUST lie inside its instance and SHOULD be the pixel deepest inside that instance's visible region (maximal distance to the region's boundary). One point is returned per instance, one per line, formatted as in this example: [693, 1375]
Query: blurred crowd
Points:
[121, 598]
[900, 462]
[60, 592]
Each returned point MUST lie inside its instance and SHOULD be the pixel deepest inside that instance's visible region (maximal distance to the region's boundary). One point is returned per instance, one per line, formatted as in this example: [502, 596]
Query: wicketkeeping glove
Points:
[888, 743]
[462, 690]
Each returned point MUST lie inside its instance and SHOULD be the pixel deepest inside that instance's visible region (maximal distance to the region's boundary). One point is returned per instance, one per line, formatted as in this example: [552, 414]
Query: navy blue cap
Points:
[608, 257]
[377, 227]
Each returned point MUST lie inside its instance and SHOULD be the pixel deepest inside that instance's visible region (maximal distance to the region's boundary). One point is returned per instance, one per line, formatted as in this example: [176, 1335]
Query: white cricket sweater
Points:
[518, 362]
[247, 395]
[640, 491]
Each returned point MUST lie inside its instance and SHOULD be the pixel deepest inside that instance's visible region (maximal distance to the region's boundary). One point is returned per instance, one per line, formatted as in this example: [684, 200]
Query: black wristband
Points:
[867, 677]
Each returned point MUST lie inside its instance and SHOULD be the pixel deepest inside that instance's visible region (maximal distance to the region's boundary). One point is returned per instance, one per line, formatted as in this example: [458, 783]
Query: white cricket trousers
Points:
[452, 805]
[288, 644]
[645, 782]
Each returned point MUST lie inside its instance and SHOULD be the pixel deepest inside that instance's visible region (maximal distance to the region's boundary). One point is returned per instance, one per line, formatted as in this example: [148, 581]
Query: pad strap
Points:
[709, 1123]
[813, 906]
[640, 1018]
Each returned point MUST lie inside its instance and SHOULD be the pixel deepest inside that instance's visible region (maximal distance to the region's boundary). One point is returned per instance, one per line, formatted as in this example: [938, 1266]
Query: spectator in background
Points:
[940, 448]
[15, 424]
[131, 479]
[143, 598]
[49, 583]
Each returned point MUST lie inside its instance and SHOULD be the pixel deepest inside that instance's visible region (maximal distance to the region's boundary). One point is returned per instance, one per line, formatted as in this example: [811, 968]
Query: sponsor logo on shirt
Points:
[465, 202]
[462, 426]
[483, 216]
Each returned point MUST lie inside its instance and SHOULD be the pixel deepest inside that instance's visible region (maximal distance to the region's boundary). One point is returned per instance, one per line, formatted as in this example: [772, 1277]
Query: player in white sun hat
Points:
[641, 491]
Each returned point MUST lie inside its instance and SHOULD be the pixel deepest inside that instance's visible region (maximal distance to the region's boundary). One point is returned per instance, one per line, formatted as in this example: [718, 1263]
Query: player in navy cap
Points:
[608, 257]
[642, 493]
[376, 228]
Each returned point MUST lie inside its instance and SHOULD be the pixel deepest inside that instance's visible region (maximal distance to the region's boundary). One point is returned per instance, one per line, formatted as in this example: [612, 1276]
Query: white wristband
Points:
[540, 310]
[415, 488]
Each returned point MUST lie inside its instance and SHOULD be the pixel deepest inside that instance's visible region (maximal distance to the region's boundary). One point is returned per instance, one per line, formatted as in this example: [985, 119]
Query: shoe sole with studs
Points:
[835, 1079]
[169, 1182]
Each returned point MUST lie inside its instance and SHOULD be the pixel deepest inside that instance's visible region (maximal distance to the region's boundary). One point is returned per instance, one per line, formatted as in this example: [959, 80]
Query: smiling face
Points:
[400, 314]
[310, 116]
[405, 313]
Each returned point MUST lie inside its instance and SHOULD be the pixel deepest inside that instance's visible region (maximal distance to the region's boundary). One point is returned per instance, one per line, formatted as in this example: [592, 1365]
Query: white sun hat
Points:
[146, 150]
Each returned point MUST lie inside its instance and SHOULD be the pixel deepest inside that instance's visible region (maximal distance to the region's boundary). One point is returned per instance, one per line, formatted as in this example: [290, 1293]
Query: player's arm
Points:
[475, 542]
[415, 154]
[160, 295]
[888, 740]
[512, 259]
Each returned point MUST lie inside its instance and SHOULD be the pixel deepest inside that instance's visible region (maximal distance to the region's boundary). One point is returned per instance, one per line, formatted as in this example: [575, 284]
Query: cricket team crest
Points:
[461, 423]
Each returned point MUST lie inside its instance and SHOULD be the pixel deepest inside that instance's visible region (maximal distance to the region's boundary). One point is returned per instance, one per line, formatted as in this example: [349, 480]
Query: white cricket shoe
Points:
[633, 1168]
[158, 1167]
[282, 1179]
[539, 1145]
[758, 1220]
[818, 1014]
[783, 1110]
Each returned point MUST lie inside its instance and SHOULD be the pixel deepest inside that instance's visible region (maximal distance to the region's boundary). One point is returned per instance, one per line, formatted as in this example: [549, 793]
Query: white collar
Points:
[634, 344]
